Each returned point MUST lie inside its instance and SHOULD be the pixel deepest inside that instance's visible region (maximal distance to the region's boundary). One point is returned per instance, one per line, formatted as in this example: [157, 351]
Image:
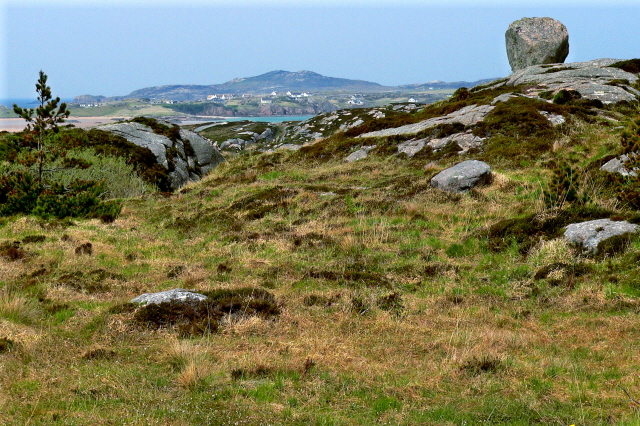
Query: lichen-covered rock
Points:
[187, 157]
[590, 234]
[536, 41]
[463, 176]
[174, 295]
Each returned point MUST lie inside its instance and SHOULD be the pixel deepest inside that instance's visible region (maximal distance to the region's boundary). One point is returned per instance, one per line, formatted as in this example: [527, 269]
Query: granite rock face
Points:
[590, 234]
[188, 157]
[463, 176]
[595, 79]
[536, 41]
[469, 115]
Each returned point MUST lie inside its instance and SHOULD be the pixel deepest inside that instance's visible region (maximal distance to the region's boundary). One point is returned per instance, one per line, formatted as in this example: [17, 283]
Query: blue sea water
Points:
[25, 102]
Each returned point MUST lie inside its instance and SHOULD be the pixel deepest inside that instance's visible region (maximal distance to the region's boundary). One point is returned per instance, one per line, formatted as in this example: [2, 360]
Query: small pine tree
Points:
[30, 191]
[39, 128]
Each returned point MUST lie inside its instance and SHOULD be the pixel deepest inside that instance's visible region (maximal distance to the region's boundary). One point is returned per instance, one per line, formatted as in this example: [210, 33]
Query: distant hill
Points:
[282, 81]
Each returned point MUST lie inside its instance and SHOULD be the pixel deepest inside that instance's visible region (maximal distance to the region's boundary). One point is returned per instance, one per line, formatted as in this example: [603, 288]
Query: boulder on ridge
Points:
[536, 41]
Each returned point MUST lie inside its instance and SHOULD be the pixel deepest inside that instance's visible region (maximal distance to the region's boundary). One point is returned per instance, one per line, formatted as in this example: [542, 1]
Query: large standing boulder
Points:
[536, 41]
[463, 176]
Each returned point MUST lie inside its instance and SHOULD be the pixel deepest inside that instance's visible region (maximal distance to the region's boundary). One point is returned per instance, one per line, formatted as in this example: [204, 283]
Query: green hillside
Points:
[344, 293]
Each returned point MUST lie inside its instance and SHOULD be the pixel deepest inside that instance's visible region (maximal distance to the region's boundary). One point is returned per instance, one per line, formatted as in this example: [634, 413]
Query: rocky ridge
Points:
[184, 154]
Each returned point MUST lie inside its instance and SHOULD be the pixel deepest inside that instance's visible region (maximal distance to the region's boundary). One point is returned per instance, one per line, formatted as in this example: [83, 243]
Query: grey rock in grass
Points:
[188, 158]
[174, 295]
[590, 234]
[360, 154]
[411, 147]
[463, 176]
[536, 41]
[617, 165]
[465, 142]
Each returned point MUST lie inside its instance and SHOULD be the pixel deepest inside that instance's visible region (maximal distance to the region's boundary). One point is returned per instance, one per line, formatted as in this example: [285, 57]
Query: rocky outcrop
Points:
[463, 176]
[595, 79]
[536, 41]
[589, 235]
[185, 155]
[468, 116]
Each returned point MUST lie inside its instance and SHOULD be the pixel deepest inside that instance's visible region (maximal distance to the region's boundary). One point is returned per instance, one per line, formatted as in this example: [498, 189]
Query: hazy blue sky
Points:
[113, 47]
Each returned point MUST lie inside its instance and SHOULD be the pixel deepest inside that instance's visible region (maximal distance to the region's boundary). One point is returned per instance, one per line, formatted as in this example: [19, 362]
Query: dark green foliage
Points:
[576, 269]
[255, 373]
[391, 302]
[352, 278]
[547, 94]
[566, 96]
[554, 70]
[479, 365]
[627, 188]
[319, 300]
[631, 65]
[200, 317]
[258, 205]
[614, 245]
[563, 187]
[6, 345]
[359, 305]
[89, 283]
[526, 232]
[12, 251]
[460, 94]
[20, 193]
[30, 192]
[99, 354]
[619, 82]
[34, 239]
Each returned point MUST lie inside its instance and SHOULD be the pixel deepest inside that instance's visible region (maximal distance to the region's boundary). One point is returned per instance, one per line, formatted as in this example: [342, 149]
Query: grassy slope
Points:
[394, 308]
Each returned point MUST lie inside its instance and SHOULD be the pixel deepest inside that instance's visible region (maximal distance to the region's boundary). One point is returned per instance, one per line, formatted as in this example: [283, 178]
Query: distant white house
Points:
[212, 97]
[265, 101]
[274, 93]
[412, 100]
[246, 96]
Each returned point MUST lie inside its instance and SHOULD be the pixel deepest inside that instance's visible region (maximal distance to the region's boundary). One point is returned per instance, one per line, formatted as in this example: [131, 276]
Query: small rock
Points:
[616, 165]
[173, 295]
[590, 234]
[463, 176]
[359, 154]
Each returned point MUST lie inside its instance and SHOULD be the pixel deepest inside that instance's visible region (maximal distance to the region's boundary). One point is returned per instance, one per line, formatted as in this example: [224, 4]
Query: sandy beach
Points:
[17, 124]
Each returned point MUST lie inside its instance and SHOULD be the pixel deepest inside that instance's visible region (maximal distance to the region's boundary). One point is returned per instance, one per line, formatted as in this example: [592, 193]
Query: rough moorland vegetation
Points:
[344, 292]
